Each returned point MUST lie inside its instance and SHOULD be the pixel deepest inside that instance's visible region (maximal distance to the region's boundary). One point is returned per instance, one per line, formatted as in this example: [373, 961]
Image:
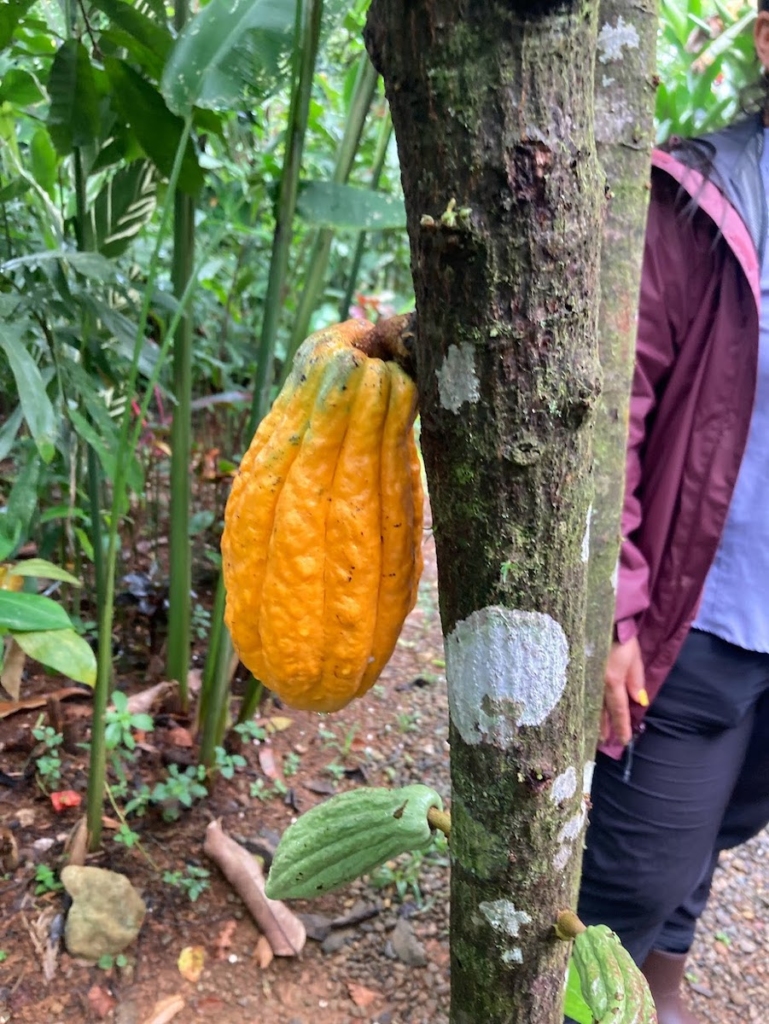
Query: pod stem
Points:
[393, 340]
[440, 820]
[568, 926]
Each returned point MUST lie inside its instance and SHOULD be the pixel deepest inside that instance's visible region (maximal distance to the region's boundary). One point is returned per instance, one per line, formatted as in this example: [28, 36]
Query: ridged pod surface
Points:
[348, 836]
[612, 985]
[323, 527]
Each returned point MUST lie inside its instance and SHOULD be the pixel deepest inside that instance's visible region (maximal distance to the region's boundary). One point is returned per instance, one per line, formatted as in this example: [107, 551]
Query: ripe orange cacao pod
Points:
[323, 527]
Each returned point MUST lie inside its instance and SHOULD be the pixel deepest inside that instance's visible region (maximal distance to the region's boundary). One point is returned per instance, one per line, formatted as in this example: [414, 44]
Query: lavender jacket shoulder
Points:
[693, 388]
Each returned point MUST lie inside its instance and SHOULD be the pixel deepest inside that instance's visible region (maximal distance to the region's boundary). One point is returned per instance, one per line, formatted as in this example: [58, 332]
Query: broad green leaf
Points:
[20, 507]
[9, 430]
[344, 207]
[575, 1006]
[30, 612]
[231, 49]
[146, 41]
[89, 264]
[15, 190]
[35, 403]
[157, 129]
[62, 650]
[124, 205]
[11, 13]
[43, 160]
[20, 88]
[73, 118]
[43, 569]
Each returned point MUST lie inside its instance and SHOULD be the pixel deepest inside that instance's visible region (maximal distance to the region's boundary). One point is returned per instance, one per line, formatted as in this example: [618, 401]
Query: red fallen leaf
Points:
[360, 995]
[180, 737]
[65, 798]
[100, 1001]
[267, 762]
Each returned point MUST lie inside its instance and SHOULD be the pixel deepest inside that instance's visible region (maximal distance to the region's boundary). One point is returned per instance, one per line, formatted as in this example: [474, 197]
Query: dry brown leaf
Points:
[283, 929]
[192, 960]
[224, 939]
[180, 737]
[267, 762]
[100, 1001]
[165, 1010]
[263, 953]
[13, 707]
[9, 852]
[142, 703]
[13, 667]
[76, 845]
[360, 995]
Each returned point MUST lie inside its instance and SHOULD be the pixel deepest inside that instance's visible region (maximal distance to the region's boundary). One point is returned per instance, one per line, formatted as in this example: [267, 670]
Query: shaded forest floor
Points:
[378, 950]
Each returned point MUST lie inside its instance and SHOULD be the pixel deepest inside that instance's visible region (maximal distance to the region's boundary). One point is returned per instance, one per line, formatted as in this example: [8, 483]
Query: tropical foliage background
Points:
[183, 198]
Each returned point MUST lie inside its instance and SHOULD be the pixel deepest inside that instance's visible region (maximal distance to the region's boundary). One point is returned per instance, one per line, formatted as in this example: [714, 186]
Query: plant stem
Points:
[319, 254]
[305, 52]
[251, 699]
[568, 925]
[379, 161]
[179, 541]
[126, 445]
[440, 820]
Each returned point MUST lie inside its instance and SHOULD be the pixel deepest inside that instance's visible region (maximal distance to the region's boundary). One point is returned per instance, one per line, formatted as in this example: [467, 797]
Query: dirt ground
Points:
[380, 947]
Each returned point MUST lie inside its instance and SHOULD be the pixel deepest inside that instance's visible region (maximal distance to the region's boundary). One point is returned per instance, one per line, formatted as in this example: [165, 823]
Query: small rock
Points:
[106, 912]
[336, 940]
[406, 946]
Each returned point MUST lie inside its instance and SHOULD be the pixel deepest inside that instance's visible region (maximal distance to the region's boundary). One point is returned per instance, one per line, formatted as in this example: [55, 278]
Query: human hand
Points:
[623, 679]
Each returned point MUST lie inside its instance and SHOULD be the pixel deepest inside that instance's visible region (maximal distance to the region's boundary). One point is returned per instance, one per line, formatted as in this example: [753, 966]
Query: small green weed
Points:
[121, 723]
[291, 764]
[48, 765]
[46, 880]
[227, 764]
[179, 789]
[107, 962]
[193, 880]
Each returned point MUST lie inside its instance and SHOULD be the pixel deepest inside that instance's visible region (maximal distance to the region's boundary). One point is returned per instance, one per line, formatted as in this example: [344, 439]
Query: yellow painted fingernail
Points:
[643, 698]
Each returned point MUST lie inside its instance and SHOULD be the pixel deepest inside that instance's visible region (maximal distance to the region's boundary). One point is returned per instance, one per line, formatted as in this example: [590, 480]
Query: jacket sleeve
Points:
[662, 317]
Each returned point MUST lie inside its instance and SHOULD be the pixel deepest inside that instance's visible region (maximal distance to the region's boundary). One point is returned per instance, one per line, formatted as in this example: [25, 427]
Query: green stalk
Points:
[180, 559]
[307, 34]
[317, 263]
[251, 700]
[126, 446]
[85, 243]
[305, 53]
[379, 161]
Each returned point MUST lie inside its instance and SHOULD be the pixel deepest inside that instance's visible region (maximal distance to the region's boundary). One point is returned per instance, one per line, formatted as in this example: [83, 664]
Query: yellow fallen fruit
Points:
[322, 542]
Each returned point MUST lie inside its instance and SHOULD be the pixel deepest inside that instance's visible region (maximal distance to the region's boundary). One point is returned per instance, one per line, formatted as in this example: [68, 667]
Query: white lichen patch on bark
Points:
[564, 786]
[503, 917]
[612, 39]
[505, 669]
[585, 550]
[513, 956]
[570, 832]
[615, 577]
[587, 777]
[457, 380]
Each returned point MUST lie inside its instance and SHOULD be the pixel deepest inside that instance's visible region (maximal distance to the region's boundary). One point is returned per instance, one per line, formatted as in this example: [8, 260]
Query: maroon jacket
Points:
[693, 390]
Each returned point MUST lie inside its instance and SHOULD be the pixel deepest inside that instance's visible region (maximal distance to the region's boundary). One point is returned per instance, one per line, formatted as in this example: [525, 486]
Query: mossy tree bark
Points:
[493, 112]
[625, 84]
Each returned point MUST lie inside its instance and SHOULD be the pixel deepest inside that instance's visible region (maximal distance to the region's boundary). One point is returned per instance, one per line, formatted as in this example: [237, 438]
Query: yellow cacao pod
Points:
[322, 533]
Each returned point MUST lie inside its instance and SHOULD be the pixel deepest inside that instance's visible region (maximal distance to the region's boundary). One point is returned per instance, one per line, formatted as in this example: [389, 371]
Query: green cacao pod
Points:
[612, 985]
[348, 836]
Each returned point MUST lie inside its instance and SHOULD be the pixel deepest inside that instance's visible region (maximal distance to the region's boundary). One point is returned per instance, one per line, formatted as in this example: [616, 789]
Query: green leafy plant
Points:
[179, 790]
[46, 880]
[227, 764]
[120, 723]
[291, 763]
[193, 881]
[107, 961]
[48, 764]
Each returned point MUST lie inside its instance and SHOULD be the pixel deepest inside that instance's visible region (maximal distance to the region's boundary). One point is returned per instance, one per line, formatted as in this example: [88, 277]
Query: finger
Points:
[636, 683]
[618, 707]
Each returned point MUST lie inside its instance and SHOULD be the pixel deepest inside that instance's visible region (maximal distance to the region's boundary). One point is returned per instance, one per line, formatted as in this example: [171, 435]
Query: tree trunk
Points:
[492, 106]
[624, 103]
